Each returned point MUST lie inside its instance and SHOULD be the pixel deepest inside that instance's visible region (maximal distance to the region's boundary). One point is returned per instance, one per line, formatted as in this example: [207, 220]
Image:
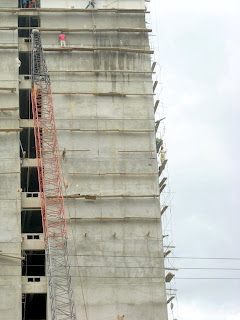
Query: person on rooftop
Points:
[62, 39]
[90, 3]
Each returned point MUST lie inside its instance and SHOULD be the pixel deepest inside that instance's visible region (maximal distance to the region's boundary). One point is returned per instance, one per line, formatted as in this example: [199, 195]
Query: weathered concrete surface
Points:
[120, 260]
[34, 287]
[10, 201]
[117, 250]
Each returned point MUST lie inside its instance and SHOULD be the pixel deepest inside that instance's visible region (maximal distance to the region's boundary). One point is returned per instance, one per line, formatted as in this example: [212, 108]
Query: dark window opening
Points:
[29, 180]
[34, 306]
[34, 263]
[25, 58]
[31, 221]
[25, 104]
[27, 145]
[27, 21]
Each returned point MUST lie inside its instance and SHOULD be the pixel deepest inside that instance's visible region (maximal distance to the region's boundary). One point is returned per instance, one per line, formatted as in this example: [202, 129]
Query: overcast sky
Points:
[199, 44]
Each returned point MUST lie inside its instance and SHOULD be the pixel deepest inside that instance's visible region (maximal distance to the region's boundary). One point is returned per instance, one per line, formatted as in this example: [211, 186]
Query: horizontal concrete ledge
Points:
[32, 241]
[59, 10]
[117, 94]
[95, 197]
[34, 197]
[109, 130]
[123, 151]
[11, 130]
[119, 49]
[115, 173]
[9, 109]
[26, 123]
[8, 89]
[30, 200]
[10, 172]
[34, 284]
[29, 163]
[27, 48]
[79, 29]
[8, 47]
[102, 71]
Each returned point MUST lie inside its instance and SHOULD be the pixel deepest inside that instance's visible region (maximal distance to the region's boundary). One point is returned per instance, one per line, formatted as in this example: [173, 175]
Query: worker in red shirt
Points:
[62, 39]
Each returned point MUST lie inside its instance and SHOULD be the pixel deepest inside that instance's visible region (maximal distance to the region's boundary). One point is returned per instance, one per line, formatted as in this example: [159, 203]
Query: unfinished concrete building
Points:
[104, 108]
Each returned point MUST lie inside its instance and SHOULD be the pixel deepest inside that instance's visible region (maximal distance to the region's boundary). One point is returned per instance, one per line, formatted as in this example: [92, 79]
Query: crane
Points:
[50, 187]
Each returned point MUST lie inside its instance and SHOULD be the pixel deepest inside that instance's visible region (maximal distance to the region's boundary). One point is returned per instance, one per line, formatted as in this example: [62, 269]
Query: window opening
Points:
[31, 221]
[34, 263]
[25, 58]
[27, 140]
[29, 179]
[27, 21]
[25, 104]
[34, 306]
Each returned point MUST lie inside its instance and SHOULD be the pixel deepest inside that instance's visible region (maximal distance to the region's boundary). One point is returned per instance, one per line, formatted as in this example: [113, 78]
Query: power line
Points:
[127, 267]
[127, 277]
[139, 256]
[207, 278]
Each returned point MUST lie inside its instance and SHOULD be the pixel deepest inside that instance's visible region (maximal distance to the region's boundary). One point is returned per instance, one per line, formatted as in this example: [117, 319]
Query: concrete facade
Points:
[106, 135]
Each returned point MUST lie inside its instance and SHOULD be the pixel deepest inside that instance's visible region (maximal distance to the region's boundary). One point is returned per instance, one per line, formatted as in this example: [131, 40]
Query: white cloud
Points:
[200, 49]
[234, 317]
[196, 312]
[209, 6]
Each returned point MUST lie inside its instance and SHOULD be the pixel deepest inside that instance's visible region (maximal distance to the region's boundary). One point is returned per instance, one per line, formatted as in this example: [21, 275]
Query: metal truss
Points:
[50, 185]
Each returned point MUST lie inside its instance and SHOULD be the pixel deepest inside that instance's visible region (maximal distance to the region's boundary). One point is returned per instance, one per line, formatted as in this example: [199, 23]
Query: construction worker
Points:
[23, 3]
[32, 4]
[162, 152]
[18, 62]
[90, 3]
[62, 39]
[159, 143]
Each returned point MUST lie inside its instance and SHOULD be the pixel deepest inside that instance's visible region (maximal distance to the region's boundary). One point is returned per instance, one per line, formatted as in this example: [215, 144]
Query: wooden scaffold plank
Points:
[118, 49]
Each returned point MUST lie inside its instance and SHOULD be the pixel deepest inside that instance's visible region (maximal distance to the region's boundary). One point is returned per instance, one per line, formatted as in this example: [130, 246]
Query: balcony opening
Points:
[27, 22]
[27, 143]
[25, 58]
[34, 306]
[29, 180]
[31, 221]
[34, 263]
[25, 104]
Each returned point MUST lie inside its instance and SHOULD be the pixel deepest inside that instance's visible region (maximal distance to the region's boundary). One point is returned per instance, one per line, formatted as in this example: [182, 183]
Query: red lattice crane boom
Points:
[50, 185]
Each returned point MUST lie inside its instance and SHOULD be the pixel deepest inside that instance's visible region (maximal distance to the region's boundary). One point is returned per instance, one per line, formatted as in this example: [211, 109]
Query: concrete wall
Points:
[10, 200]
[120, 260]
[115, 241]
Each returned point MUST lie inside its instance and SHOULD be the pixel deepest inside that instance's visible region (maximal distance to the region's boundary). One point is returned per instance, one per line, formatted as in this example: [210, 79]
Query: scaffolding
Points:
[50, 186]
